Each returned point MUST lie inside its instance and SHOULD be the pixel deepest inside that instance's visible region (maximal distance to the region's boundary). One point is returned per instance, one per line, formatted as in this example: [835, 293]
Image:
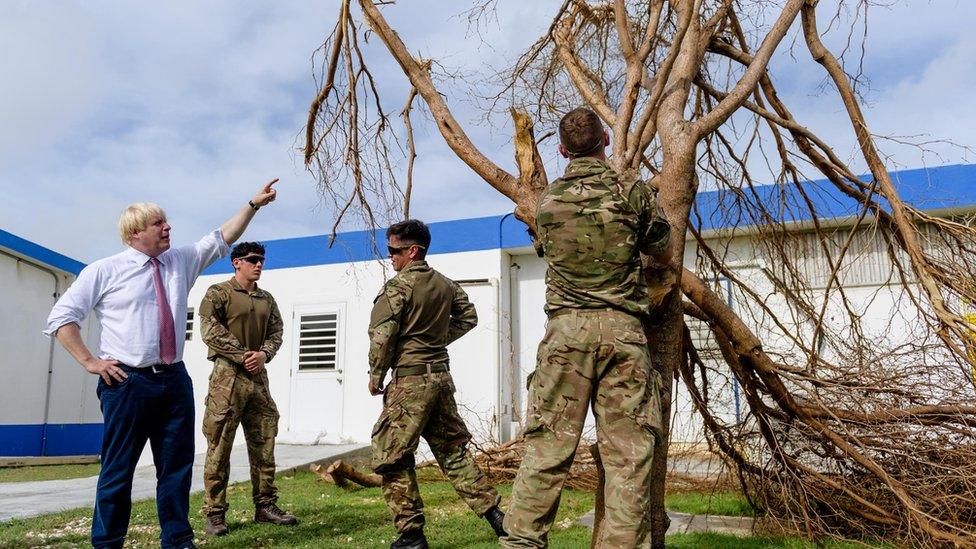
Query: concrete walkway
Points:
[28, 499]
[701, 466]
[683, 522]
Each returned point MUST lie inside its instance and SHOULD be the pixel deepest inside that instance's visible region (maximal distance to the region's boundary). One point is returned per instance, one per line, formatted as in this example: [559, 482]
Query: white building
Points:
[49, 407]
[320, 383]
[319, 377]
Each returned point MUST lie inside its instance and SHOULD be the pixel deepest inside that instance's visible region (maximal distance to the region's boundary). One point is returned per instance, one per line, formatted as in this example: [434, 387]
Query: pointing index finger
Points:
[267, 187]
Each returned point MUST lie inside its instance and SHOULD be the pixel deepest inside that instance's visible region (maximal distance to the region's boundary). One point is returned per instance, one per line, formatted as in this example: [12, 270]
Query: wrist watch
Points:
[267, 355]
[252, 205]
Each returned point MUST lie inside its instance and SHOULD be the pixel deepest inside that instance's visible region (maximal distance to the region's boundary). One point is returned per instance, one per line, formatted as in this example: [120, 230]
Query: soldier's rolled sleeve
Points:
[212, 330]
[384, 330]
[655, 231]
[276, 327]
[464, 317]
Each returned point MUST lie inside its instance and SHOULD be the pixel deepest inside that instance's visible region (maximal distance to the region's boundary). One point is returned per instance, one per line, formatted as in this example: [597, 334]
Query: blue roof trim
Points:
[39, 253]
[926, 189]
[463, 235]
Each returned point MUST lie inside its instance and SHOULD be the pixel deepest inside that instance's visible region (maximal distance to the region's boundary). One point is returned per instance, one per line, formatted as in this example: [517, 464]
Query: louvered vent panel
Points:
[317, 337]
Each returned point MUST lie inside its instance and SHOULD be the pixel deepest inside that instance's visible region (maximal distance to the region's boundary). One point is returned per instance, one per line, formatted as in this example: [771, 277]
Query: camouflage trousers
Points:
[588, 356]
[234, 398]
[423, 405]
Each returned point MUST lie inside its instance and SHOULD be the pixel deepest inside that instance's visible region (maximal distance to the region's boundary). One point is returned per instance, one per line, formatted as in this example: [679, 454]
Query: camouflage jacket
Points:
[415, 316]
[592, 226]
[233, 321]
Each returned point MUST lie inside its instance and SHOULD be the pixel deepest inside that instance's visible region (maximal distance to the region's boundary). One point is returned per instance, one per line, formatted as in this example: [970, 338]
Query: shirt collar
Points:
[416, 265]
[139, 258]
[237, 286]
[585, 166]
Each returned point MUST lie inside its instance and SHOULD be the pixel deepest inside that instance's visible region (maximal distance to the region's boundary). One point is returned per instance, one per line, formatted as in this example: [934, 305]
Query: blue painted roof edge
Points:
[462, 235]
[925, 188]
[40, 253]
[928, 189]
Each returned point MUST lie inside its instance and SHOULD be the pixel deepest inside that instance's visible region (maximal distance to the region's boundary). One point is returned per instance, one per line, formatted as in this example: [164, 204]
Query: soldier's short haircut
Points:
[246, 248]
[411, 231]
[581, 132]
[136, 218]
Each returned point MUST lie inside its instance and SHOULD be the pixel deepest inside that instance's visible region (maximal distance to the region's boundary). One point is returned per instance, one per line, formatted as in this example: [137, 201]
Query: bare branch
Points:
[744, 87]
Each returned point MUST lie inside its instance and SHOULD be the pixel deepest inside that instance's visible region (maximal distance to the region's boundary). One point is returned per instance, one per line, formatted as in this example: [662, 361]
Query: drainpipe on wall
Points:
[508, 379]
[514, 370]
[497, 358]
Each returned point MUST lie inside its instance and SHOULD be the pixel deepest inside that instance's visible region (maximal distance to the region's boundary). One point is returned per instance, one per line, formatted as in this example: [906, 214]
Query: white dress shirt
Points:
[121, 291]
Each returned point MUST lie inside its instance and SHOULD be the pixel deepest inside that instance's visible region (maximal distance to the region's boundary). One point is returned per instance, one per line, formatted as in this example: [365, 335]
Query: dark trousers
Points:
[157, 407]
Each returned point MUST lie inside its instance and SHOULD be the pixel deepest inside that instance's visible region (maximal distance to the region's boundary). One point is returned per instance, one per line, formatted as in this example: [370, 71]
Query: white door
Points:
[315, 415]
[528, 281]
[474, 363]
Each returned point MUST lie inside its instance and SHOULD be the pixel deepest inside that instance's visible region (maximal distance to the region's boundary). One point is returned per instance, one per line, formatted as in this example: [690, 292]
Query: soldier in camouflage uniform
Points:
[241, 325]
[416, 315]
[592, 225]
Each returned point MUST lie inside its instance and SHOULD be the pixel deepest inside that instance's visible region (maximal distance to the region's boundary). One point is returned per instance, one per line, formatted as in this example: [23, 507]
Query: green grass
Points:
[329, 517]
[709, 503]
[358, 517]
[48, 472]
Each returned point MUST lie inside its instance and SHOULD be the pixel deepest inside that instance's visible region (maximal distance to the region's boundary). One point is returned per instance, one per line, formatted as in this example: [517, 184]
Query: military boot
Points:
[496, 519]
[216, 524]
[411, 539]
[273, 514]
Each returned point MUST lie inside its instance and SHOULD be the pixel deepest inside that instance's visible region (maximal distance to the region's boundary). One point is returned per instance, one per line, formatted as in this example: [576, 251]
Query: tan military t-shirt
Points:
[233, 320]
[414, 318]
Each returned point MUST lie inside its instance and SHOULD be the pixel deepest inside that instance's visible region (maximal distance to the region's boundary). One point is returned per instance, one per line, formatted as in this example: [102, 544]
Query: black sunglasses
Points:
[253, 259]
[393, 250]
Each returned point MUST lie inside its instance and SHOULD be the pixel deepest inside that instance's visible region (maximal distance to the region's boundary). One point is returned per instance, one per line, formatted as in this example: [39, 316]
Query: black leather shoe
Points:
[496, 519]
[411, 539]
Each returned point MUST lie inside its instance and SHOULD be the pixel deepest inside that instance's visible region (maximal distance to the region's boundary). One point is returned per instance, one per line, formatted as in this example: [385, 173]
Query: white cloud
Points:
[195, 104]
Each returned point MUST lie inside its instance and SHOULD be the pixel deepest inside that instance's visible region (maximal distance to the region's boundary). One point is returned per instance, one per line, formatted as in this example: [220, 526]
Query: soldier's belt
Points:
[569, 310]
[401, 371]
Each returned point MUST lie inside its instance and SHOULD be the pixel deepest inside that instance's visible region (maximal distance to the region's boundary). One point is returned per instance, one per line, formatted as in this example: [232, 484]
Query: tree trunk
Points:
[342, 470]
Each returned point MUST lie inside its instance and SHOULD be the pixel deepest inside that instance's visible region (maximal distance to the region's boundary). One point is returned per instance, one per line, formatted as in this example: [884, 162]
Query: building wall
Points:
[888, 319]
[491, 364]
[529, 326]
[49, 405]
[335, 406]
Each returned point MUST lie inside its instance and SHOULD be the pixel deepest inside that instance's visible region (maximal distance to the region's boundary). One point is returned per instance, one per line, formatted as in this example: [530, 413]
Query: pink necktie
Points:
[167, 334]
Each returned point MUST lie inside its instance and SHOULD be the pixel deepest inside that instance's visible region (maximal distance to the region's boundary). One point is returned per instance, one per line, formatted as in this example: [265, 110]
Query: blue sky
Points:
[194, 104]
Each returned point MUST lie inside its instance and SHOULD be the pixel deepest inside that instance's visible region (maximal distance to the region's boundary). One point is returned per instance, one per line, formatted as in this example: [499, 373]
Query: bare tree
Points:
[845, 433]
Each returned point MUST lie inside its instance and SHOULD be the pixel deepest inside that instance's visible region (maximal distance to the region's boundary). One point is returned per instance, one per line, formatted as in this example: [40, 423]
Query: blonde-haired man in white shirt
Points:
[139, 297]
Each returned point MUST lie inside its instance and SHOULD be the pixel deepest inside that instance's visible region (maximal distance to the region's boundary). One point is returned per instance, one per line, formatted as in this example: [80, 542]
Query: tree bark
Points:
[342, 470]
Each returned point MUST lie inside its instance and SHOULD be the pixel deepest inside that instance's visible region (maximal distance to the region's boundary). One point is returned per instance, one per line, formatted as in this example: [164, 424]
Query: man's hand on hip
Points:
[254, 361]
[109, 369]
